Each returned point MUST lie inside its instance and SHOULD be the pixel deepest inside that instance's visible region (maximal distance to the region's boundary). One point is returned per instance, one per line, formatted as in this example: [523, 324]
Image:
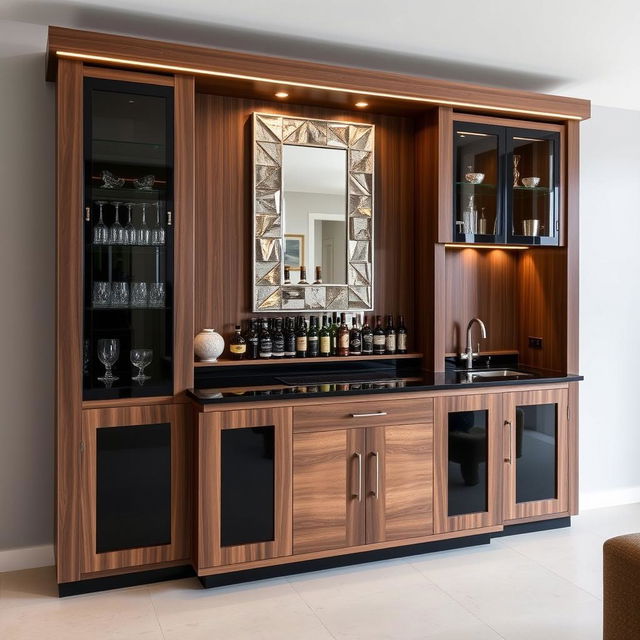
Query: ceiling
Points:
[579, 48]
[314, 169]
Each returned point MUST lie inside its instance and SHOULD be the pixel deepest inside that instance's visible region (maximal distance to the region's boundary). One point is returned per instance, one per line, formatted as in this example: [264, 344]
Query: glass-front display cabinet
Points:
[506, 184]
[128, 240]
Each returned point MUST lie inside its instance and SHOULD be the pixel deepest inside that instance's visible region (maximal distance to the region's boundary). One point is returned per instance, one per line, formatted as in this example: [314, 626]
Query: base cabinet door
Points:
[135, 487]
[244, 486]
[468, 462]
[536, 450]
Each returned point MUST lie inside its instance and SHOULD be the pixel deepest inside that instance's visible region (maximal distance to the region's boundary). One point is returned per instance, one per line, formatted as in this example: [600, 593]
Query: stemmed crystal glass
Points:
[117, 230]
[157, 233]
[100, 231]
[144, 235]
[129, 230]
[108, 352]
[140, 358]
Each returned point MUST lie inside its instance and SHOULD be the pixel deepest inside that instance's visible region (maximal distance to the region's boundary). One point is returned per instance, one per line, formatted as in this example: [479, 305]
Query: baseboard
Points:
[609, 498]
[26, 558]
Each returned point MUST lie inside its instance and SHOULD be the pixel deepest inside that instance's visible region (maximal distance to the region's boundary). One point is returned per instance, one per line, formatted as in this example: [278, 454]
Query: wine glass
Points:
[117, 230]
[108, 352]
[129, 230]
[100, 231]
[141, 358]
[144, 234]
[157, 233]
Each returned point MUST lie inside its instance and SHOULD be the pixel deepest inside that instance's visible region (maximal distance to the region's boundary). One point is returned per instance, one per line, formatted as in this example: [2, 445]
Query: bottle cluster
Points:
[312, 336]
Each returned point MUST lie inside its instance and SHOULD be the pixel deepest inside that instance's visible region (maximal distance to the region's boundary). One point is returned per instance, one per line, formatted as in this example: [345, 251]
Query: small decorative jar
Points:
[208, 345]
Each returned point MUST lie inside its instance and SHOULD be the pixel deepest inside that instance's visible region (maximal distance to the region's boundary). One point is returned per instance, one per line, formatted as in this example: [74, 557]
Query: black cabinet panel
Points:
[133, 487]
[247, 485]
[536, 452]
[468, 453]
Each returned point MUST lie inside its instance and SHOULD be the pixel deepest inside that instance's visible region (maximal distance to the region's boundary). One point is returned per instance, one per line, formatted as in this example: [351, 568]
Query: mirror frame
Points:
[270, 133]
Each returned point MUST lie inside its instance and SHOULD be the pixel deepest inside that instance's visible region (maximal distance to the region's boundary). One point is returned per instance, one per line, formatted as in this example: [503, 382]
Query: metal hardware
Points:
[568, 414]
[368, 415]
[376, 491]
[468, 354]
[507, 423]
[81, 446]
[87, 214]
[169, 218]
[359, 494]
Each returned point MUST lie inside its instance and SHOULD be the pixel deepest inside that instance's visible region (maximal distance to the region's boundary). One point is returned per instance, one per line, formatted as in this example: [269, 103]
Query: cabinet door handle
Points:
[87, 214]
[359, 494]
[376, 491]
[169, 218]
[507, 423]
[369, 415]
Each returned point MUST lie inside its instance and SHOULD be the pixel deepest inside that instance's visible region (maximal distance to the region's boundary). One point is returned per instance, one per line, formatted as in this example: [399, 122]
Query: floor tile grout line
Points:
[155, 613]
[308, 605]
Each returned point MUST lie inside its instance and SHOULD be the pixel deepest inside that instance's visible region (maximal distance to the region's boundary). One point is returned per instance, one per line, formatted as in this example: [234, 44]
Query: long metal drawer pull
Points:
[87, 214]
[368, 415]
[169, 218]
[507, 424]
[359, 494]
[376, 491]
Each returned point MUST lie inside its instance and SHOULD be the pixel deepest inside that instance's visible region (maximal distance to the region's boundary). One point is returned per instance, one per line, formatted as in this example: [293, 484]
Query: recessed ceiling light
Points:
[362, 104]
[282, 94]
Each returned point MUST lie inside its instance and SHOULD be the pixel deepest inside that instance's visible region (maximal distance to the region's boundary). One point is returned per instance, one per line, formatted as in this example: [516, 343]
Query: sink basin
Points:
[494, 374]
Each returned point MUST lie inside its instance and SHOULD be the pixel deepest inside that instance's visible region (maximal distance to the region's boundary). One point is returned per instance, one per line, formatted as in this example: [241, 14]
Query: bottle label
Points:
[343, 341]
[265, 348]
[402, 342]
[367, 343]
[325, 344]
[355, 346]
[278, 344]
[238, 348]
[379, 341]
[390, 344]
[301, 343]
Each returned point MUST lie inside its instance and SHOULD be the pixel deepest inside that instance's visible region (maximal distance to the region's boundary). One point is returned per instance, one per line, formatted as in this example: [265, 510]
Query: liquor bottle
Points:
[325, 338]
[238, 345]
[318, 279]
[333, 335]
[252, 339]
[313, 338]
[343, 336]
[289, 339]
[390, 336]
[402, 336]
[287, 275]
[379, 339]
[355, 339]
[367, 338]
[303, 276]
[301, 339]
[277, 339]
[265, 346]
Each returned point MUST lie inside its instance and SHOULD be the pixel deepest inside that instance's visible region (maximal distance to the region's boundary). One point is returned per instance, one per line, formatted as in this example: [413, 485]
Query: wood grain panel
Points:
[492, 403]
[181, 445]
[515, 510]
[340, 415]
[399, 464]
[68, 372]
[573, 246]
[224, 210]
[210, 552]
[573, 437]
[328, 490]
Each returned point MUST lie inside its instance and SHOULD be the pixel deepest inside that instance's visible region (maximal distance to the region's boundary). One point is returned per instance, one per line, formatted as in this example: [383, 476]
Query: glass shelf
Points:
[127, 194]
[543, 190]
[147, 308]
[481, 185]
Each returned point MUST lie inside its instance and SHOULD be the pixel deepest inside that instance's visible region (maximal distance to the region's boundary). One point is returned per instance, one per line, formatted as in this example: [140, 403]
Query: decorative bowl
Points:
[145, 183]
[110, 181]
[530, 183]
[208, 345]
[474, 178]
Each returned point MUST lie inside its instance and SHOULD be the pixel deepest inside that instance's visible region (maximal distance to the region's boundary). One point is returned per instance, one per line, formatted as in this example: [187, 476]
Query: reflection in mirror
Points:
[314, 184]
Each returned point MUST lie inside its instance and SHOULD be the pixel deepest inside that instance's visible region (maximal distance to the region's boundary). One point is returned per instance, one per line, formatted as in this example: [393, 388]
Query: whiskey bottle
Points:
[252, 339]
[287, 275]
[402, 335]
[379, 339]
[301, 339]
[289, 339]
[390, 336]
[367, 338]
[333, 335]
[313, 338]
[303, 276]
[325, 338]
[355, 339]
[238, 345]
[265, 346]
[343, 336]
[277, 339]
[318, 279]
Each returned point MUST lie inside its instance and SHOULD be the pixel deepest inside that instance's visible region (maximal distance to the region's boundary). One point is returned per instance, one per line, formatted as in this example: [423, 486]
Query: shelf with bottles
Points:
[228, 362]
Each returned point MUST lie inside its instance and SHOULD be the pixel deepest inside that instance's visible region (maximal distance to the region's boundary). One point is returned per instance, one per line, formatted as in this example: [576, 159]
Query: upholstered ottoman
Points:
[621, 560]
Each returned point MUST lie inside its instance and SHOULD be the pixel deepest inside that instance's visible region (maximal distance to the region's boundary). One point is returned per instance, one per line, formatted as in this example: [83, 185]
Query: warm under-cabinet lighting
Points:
[307, 85]
[282, 94]
[473, 245]
[362, 104]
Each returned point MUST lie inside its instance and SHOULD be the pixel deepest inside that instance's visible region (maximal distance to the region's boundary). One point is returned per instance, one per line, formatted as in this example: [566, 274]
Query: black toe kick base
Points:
[530, 527]
[248, 575]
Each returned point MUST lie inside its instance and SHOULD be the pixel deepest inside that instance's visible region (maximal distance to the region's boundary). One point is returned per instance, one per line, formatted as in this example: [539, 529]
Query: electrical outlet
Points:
[535, 343]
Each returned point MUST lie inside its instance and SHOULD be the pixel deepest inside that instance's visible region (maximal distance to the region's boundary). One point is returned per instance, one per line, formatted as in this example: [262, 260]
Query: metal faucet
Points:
[468, 352]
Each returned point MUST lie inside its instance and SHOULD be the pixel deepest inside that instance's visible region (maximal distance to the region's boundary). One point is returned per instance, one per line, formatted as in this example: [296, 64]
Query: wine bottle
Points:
[318, 279]
[301, 339]
[379, 339]
[265, 347]
[251, 337]
[238, 345]
[390, 336]
[277, 339]
[303, 276]
[289, 339]
[402, 335]
[325, 338]
[367, 339]
[287, 275]
[313, 338]
[343, 336]
[355, 339]
[333, 335]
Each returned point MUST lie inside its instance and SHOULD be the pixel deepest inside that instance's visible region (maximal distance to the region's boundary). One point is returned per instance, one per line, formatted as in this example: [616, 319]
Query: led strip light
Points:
[306, 85]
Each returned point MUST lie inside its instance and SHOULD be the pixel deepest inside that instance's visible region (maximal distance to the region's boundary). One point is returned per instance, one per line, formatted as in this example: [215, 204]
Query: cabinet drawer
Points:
[371, 412]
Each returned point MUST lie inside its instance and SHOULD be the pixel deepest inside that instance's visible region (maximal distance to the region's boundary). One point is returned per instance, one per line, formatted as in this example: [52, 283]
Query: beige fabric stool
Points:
[621, 572]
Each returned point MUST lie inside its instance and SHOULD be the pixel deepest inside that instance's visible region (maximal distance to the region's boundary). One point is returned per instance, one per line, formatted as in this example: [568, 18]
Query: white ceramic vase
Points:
[208, 345]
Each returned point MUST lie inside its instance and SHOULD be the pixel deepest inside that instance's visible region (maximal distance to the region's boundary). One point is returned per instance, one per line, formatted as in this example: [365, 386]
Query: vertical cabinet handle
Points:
[169, 218]
[376, 490]
[359, 494]
[87, 214]
[507, 423]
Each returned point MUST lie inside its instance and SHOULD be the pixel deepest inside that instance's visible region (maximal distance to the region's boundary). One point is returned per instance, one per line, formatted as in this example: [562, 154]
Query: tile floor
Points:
[537, 585]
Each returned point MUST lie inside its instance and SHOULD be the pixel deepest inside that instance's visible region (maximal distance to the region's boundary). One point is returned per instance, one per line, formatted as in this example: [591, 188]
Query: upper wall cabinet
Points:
[506, 183]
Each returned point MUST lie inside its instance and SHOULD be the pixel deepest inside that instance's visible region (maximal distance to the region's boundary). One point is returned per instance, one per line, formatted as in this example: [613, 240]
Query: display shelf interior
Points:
[222, 362]
[481, 185]
[534, 189]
